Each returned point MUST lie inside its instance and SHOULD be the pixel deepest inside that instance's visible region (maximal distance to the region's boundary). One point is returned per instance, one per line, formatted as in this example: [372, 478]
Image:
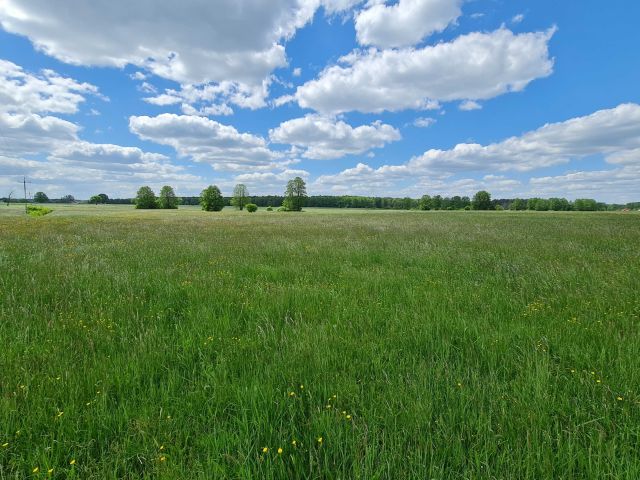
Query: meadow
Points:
[328, 344]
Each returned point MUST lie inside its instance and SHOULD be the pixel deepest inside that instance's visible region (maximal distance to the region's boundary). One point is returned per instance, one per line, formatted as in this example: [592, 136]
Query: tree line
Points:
[295, 198]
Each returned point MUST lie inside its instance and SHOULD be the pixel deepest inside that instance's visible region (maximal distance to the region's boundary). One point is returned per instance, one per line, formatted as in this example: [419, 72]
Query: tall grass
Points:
[414, 344]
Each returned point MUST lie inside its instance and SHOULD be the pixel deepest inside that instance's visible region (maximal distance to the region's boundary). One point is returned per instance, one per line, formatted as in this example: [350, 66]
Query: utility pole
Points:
[24, 184]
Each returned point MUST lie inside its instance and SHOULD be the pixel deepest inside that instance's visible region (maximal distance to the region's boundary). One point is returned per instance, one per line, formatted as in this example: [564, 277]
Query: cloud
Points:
[27, 131]
[204, 140]
[296, 72]
[517, 18]
[469, 105]
[612, 133]
[616, 185]
[30, 134]
[325, 138]
[190, 42]
[477, 66]
[405, 23]
[424, 122]
[272, 183]
[48, 92]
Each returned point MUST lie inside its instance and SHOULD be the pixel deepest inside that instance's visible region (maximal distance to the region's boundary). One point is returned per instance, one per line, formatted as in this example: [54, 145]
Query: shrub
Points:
[269, 208]
[36, 211]
[251, 207]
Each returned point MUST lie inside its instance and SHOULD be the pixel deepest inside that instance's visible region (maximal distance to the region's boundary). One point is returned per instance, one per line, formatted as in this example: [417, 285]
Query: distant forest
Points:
[390, 203]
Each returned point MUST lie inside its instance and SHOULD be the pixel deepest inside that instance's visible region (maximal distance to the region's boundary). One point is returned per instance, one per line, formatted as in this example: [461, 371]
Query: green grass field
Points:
[364, 344]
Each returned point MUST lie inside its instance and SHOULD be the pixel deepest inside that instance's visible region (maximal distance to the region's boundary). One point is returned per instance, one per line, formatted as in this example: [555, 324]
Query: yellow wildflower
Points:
[163, 458]
[265, 449]
[320, 440]
[35, 470]
[348, 417]
[279, 451]
[294, 443]
[72, 462]
[619, 399]
[50, 471]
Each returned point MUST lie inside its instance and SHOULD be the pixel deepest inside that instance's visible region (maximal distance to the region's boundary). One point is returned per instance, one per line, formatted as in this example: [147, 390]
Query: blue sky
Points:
[414, 97]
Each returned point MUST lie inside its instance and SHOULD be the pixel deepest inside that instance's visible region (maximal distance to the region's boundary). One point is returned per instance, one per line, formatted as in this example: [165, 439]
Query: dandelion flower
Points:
[279, 451]
[72, 462]
[161, 447]
[50, 471]
[320, 440]
[163, 458]
[598, 381]
[294, 443]
[35, 470]
[265, 449]
[618, 398]
[348, 417]
[292, 394]
[301, 387]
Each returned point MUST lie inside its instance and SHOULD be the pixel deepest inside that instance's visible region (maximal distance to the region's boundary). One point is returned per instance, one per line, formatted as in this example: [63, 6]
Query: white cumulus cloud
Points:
[326, 138]
[205, 140]
[405, 23]
[476, 66]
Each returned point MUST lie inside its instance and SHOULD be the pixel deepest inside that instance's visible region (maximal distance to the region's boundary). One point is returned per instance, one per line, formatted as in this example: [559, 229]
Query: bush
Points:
[251, 207]
[36, 211]
[269, 208]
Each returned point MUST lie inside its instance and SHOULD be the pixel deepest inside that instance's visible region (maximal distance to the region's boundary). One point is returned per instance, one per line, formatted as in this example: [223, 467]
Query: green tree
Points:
[425, 203]
[251, 207]
[145, 198]
[481, 201]
[518, 204]
[104, 198]
[240, 196]
[40, 197]
[585, 205]
[67, 199]
[167, 199]
[211, 199]
[559, 204]
[295, 195]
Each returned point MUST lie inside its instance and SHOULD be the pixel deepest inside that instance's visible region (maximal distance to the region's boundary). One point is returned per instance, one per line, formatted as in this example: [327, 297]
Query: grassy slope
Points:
[463, 345]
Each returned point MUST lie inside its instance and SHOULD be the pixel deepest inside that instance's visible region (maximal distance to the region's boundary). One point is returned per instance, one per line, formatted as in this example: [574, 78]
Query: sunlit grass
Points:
[326, 344]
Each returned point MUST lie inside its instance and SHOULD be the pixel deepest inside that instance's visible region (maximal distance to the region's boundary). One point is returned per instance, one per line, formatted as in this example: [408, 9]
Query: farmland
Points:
[331, 344]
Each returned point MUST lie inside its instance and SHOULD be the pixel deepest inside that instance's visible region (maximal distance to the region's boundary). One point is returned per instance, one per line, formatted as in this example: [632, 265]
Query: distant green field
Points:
[363, 344]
